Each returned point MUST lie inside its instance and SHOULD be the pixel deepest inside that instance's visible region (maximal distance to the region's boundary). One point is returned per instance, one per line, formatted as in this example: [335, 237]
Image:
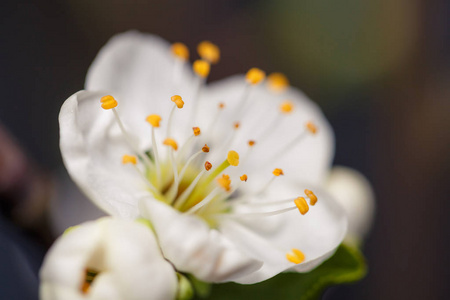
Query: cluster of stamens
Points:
[178, 182]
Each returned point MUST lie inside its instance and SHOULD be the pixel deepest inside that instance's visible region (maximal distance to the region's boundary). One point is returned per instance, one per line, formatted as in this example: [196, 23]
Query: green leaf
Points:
[345, 266]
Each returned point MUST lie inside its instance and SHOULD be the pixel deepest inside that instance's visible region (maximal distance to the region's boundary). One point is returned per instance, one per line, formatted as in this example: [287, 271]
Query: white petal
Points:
[142, 73]
[193, 247]
[317, 234]
[92, 147]
[307, 160]
[354, 193]
[124, 252]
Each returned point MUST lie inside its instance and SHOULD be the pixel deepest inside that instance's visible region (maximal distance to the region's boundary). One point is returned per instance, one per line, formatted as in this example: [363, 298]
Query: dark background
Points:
[380, 69]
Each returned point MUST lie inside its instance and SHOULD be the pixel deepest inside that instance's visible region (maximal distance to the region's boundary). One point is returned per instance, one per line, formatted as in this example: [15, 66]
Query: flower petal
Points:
[115, 248]
[354, 193]
[317, 234]
[193, 247]
[92, 147]
[307, 160]
[142, 73]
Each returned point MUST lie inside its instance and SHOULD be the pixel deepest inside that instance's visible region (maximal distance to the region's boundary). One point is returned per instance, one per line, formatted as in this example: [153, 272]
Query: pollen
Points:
[301, 204]
[201, 68]
[236, 125]
[209, 52]
[153, 120]
[244, 177]
[129, 159]
[221, 105]
[255, 76]
[205, 148]
[286, 107]
[277, 82]
[311, 127]
[108, 102]
[180, 50]
[224, 182]
[233, 158]
[277, 172]
[177, 100]
[196, 131]
[208, 166]
[312, 197]
[296, 256]
[251, 143]
[171, 142]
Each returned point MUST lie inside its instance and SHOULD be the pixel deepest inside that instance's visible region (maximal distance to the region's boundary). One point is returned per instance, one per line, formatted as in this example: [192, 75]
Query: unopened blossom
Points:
[107, 259]
[148, 138]
[355, 194]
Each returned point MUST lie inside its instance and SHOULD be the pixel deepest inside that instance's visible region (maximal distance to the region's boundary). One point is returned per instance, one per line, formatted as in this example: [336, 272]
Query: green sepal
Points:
[185, 290]
[202, 289]
[345, 266]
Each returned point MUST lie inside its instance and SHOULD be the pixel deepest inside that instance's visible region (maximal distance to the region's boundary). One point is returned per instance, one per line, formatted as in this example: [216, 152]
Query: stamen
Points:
[251, 143]
[89, 276]
[204, 202]
[178, 103]
[196, 132]
[277, 172]
[296, 256]
[154, 121]
[209, 52]
[131, 159]
[286, 107]
[277, 82]
[211, 126]
[171, 142]
[312, 197]
[244, 177]
[255, 76]
[108, 102]
[181, 51]
[224, 182]
[182, 199]
[233, 158]
[311, 127]
[205, 149]
[301, 204]
[177, 100]
[201, 68]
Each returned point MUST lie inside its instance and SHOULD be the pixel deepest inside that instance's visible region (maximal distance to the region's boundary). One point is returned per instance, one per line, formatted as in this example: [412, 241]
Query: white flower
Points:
[354, 193]
[224, 229]
[107, 259]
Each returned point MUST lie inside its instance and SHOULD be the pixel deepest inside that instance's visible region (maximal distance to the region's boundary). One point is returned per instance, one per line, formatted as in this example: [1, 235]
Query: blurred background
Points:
[380, 69]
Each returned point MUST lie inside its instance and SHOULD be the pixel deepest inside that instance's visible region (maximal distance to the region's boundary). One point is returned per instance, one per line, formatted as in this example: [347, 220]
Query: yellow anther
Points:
[196, 131]
[180, 50]
[208, 166]
[312, 197]
[209, 52]
[296, 256]
[301, 204]
[277, 82]
[153, 120]
[233, 158]
[255, 76]
[205, 148]
[286, 107]
[277, 172]
[108, 102]
[251, 143]
[201, 68]
[177, 100]
[129, 159]
[244, 177]
[224, 182]
[236, 125]
[171, 142]
[311, 127]
[221, 105]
